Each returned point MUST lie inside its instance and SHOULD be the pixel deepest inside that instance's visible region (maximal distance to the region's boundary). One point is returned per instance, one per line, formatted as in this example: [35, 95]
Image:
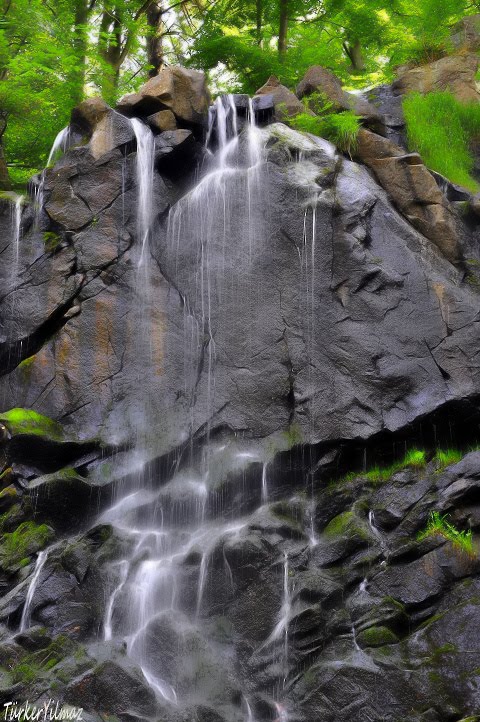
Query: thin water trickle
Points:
[17, 229]
[144, 173]
[26, 614]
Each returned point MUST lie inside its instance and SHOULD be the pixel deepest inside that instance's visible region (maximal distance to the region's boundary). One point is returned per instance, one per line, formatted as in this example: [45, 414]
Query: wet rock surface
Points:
[311, 606]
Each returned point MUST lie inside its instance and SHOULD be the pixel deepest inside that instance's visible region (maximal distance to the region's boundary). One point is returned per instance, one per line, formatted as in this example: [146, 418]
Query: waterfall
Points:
[60, 145]
[144, 174]
[173, 531]
[26, 614]
[228, 199]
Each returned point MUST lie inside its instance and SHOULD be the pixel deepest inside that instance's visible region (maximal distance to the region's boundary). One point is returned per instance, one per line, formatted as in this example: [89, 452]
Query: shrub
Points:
[439, 525]
[441, 130]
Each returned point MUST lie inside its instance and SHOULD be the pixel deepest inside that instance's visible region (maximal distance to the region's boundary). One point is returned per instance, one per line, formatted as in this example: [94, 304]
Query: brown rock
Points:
[286, 103]
[163, 120]
[105, 128]
[89, 113]
[412, 189]
[455, 73]
[178, 89]
[321, 80]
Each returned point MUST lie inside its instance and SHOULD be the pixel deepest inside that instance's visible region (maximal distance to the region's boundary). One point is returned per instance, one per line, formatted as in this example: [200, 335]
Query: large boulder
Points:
[323, 81]
[454, 73]
[286, 103]
[413, 190]
[181, 90]
[104, 128]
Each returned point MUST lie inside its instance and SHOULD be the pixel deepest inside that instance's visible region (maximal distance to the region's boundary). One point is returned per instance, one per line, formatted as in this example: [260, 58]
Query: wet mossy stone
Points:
[376, 637]
[35, 443]
[18, 545]
[26, 421]
[347, 525]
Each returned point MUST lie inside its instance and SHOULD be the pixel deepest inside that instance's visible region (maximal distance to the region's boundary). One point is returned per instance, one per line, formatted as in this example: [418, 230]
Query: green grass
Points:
[447, 458]
[438, 525]
[340, 128]
[441, 130]
[415, 458]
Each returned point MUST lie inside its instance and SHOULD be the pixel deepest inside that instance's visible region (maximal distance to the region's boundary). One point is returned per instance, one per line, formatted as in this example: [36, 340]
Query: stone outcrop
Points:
[323, 81]
[412, 189]
[182, 91]
[454, 73]
[286, 103]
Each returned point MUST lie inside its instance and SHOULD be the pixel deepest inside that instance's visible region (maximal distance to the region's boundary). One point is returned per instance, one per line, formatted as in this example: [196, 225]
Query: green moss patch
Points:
[27, 539]
[26, 421]
[376, 637]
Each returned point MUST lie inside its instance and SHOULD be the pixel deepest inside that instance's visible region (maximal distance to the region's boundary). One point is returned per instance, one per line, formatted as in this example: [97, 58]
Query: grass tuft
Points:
[340, 128]
[438, 525]
[447, 458]
[415, 458]
[441, 129]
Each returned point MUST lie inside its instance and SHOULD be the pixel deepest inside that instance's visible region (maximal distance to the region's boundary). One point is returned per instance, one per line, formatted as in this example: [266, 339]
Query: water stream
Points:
[40, 563]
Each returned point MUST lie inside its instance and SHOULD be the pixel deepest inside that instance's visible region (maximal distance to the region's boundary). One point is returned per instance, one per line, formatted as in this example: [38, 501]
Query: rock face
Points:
[466, 34]
[179, 539]
[455, 73]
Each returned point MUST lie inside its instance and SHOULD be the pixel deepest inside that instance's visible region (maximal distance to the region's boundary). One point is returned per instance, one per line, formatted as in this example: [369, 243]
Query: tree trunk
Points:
[155, 38]
[259, 19]
[113, 49]
[5, 182]
[355, 55]
[283, 28]
[80, 41]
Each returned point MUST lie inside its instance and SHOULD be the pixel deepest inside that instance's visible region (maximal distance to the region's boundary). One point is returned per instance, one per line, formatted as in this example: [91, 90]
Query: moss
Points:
[26, 421]
[339, 524]
[26, 363]
[347, 525]
[37, 664]
[27, 539]
[376, 637]
[52, 241]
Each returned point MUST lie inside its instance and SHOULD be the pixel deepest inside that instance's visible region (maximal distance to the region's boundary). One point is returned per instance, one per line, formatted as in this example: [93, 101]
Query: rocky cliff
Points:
[192, 527]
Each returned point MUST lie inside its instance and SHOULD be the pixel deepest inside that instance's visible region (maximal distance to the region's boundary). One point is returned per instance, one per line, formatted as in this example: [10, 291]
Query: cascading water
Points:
[60, 145]
[169, 525]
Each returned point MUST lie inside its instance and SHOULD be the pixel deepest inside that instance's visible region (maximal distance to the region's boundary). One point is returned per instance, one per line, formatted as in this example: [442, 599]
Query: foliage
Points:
[438, 525]
[27, 421]
[441, 129]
